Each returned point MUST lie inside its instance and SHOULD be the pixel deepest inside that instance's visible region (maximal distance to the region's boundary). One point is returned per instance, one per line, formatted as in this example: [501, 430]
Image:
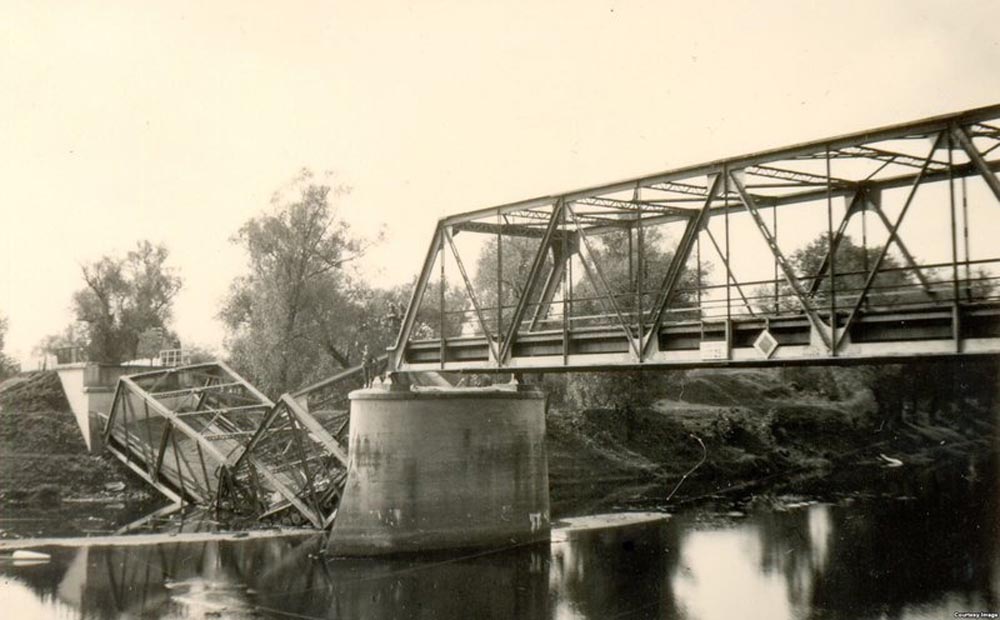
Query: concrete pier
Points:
[443, 469]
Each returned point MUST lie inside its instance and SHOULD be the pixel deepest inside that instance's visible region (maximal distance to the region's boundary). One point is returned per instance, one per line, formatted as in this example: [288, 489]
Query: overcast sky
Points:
[176, 121]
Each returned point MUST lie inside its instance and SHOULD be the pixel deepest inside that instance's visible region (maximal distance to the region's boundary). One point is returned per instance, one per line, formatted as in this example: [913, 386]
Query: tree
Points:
[624, 273]
[515, 256]
[392, 304]
[123, 298]
[300, 313]
[152, 340]
[74, 337]
[853, 263]
[8, 366]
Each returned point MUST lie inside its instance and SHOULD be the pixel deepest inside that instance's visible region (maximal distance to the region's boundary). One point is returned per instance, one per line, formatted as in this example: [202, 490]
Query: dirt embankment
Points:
[43, 458]
[758, 428]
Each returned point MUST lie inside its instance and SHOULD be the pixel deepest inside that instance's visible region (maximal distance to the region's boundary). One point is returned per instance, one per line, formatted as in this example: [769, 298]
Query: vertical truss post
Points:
[125, 428]
[442, 285]
[965, 240]
[729, 292]
[893, 232]
[977, 160]
[631, 248]
[533, 275]
[499, 275]
[602, 281]
[790, 277]
[640, 267]
[956, 332]
[676, 267]
[566, 284]
[698, 283]
[471, 291]
[832, 253]
[774, 227]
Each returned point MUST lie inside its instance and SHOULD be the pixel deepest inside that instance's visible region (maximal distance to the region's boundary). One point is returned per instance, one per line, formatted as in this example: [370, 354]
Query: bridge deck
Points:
[884, 335]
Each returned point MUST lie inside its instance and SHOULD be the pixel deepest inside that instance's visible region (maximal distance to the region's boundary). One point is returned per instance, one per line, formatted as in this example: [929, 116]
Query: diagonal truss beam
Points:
[729, 271]
[970, 149]
[786, 268]
[471, 292]
[552, 282]
[893, 232]
[907, 257]
[607, 292]
[533, 276]
[858, 203]
[396, 356]
[677, 263]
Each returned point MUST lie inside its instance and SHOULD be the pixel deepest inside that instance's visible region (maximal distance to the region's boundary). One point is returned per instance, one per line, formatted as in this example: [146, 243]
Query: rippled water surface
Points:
[928, 548]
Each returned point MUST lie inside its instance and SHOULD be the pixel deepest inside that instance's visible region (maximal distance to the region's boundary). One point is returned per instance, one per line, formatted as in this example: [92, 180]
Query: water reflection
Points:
[926, 550]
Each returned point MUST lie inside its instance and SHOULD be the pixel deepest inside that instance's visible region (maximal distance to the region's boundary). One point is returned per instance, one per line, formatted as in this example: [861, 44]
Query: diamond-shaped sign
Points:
[766, 344]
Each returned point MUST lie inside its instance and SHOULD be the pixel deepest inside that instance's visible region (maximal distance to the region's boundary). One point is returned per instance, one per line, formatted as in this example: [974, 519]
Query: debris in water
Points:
[889, 461]
[23, 557]
[24, 554]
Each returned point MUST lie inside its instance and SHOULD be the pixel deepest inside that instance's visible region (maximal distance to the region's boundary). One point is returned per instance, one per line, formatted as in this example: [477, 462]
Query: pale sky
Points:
[176, 121]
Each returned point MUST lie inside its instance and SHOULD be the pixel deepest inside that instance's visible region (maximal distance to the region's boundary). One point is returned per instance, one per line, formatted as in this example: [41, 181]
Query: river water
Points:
[913, 545]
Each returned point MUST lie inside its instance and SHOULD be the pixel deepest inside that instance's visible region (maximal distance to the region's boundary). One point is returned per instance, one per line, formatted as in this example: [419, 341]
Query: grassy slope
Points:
[42, 453]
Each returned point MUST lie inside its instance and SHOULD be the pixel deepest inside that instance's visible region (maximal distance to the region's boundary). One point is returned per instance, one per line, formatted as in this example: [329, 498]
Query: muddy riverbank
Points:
[746, 432]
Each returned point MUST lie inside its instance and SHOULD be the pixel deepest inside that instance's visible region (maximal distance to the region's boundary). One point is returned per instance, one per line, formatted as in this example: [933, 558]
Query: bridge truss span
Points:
[202, 434]
[878, 245]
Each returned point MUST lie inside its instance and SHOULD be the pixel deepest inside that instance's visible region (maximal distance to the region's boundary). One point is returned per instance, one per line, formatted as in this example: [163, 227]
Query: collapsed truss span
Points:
[203, 434]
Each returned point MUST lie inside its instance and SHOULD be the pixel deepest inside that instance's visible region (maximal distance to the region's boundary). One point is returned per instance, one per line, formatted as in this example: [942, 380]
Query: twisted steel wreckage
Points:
[204, 435]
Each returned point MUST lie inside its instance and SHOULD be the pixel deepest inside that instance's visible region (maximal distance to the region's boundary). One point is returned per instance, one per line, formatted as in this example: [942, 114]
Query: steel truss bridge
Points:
[646, 272]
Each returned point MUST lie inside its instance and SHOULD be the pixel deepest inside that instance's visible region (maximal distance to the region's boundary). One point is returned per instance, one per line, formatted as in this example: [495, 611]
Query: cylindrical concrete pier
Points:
[443, 469]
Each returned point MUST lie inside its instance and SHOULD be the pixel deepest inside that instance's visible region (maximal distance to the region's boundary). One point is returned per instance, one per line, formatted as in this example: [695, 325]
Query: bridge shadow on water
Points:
[923, 544]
